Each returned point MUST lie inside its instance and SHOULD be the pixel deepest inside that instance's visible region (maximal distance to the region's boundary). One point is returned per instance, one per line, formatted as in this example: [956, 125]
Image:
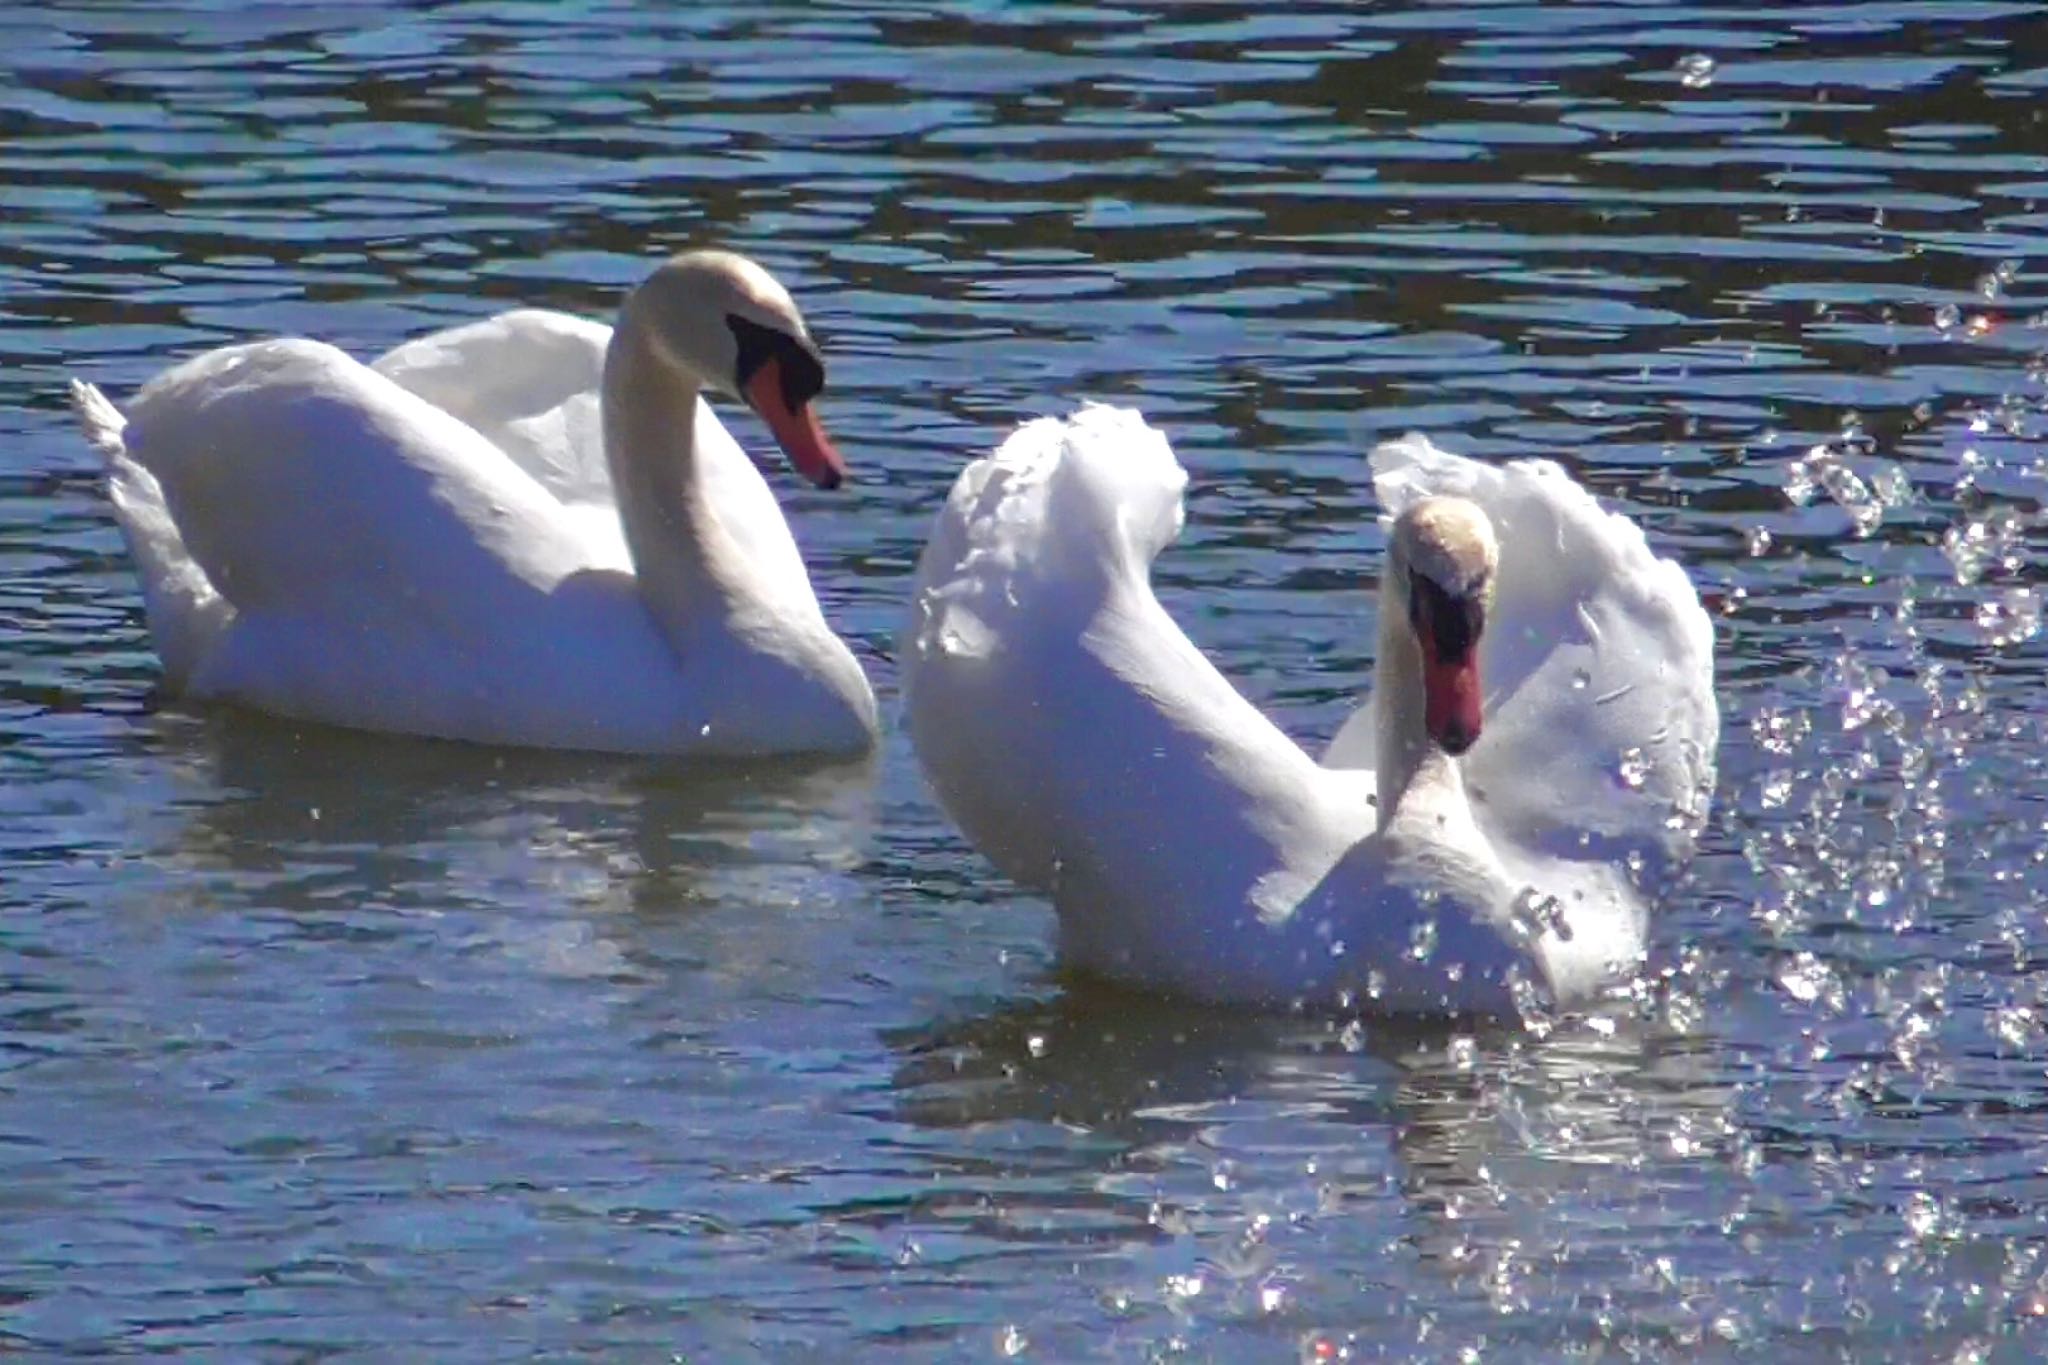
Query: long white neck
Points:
[1404, 749]
[686, 565]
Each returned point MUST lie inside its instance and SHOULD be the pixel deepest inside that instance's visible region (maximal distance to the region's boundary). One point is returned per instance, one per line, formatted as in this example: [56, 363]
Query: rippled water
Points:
[315, 1044]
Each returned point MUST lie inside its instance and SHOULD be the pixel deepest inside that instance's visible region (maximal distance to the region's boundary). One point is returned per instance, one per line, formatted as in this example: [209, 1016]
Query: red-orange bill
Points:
[1450, 705]
[797, 432]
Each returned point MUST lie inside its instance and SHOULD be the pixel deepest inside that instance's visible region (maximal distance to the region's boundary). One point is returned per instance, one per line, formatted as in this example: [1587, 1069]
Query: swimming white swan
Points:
[528, 530]
[1543, 721]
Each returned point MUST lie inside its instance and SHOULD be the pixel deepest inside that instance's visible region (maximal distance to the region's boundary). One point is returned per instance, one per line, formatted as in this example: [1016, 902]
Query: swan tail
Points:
[102, 421]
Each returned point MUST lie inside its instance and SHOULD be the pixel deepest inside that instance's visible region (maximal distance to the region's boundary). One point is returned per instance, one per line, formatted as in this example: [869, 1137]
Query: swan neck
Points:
[1405, 752]
[650, 423]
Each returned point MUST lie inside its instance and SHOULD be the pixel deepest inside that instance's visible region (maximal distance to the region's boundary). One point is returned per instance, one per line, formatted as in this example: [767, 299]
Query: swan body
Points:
[1091, 751]
[529, 530]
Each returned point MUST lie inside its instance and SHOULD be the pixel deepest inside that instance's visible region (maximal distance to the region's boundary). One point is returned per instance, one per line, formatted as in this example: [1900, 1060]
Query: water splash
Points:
[1829, 468]
[1991, 541]
[2011, 618]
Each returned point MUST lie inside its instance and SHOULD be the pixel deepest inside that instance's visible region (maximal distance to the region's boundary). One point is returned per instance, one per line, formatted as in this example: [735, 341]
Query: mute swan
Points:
[528, 530]
[1086, 746]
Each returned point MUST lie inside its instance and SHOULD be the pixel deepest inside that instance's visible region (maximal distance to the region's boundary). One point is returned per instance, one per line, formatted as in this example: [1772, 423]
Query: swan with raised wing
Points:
[1535, 760]
[528, 530]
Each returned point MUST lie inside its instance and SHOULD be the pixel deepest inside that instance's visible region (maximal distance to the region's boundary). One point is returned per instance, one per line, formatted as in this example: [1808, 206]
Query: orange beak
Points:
[1450, 699]
[797, 432]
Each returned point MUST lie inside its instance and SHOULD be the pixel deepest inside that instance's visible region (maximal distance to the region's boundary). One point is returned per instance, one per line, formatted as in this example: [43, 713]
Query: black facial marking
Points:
[1451, 624]
[803, 374]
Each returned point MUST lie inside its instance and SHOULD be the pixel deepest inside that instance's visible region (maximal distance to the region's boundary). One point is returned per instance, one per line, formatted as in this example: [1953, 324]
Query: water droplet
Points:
[1422, 941]
[1806, 978]
[2011, 618]
[1822, 467]
[1922, 1214]
[1035, 1044]
[1011, 1342]
[1695, 70]
[1946, 317]
[1994, 540]
[1799, 482]
[1894, 488]
[1531, 1003]
[1462, 1053]
[1634, 768]
[2013, 1025]
[1352, 1038]
[1536, 913]
[1759, 542]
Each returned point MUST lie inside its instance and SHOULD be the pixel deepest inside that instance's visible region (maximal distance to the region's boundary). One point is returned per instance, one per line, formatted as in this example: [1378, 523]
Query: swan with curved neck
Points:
[1469, 843]
[527, 530]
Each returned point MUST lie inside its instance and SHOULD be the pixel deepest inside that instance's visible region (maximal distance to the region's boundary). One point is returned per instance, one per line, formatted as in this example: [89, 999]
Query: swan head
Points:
[1443, 560]
[734, 329]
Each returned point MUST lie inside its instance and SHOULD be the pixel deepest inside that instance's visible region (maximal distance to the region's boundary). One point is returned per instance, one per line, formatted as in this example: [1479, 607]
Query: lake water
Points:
[317, 1045]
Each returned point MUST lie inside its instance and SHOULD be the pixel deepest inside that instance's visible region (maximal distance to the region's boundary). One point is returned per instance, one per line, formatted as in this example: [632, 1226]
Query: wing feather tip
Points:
[101, 420]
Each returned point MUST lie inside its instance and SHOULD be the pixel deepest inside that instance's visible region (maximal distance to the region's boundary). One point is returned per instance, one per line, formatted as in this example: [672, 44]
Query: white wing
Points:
[529, 381]
[1601, 723]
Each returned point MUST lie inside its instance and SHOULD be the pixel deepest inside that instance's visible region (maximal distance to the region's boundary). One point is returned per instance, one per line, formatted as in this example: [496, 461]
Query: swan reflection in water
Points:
[317, 822]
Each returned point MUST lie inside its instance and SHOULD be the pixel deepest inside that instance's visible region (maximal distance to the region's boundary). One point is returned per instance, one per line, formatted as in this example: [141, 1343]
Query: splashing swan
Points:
[1439, 859]
[528, 530]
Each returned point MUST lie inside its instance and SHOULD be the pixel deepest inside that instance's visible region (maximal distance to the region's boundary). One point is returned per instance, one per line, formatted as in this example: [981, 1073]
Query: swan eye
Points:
[1451, 624]
[803, 374]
